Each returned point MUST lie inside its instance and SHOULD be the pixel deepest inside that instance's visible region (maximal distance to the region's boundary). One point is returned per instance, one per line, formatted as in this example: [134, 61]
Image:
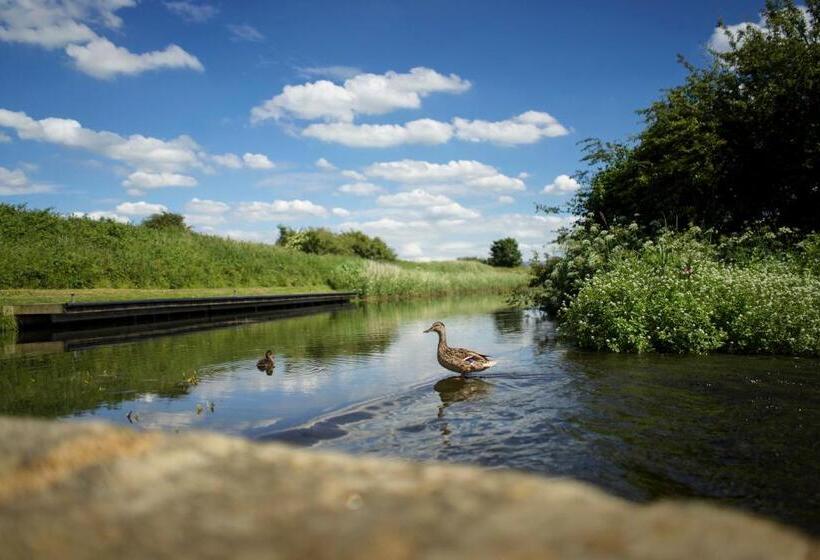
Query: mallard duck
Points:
[459, 360]
[266, 363]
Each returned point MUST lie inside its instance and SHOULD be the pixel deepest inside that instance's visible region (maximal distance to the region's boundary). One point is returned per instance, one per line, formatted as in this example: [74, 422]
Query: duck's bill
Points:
[428, 330]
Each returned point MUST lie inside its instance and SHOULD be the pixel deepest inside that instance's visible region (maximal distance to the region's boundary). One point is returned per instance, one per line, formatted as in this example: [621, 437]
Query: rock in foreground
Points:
[73, 491]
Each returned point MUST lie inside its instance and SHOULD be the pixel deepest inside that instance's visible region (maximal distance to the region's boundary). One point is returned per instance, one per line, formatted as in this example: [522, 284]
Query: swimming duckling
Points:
[459, 360]
[267, 363]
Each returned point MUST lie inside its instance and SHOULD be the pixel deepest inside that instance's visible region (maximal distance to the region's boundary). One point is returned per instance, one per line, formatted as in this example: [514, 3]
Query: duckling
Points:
[267, 363]
[459, 360]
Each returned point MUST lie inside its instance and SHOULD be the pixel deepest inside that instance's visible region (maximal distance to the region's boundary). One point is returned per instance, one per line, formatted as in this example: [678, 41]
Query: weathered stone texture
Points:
[73, 491]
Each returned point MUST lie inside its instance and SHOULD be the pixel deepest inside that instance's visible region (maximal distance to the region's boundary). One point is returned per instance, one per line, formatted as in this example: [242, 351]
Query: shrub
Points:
[505, 252]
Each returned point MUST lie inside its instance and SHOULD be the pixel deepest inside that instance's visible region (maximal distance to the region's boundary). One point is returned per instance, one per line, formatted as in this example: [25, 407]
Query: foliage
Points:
[165, 220]
[505, 252]
[42, 250]
[675, 295]
[737, 144]
[322, 241]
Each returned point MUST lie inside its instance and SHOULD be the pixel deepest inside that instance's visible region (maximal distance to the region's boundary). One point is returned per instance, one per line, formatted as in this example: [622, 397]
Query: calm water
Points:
[742, 430]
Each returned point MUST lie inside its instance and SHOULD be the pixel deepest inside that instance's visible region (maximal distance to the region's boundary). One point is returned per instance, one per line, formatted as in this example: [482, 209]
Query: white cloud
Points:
[65, 23]
[145, 180]
[435, 205]
[232, 161]
[192, 12]
[367, 94]
[245, 32]
[355, 175]
[324, 165]
[140, 208]
[204, 220]
[341, 212]
[257, 161]
[137, 150]
[101, 215]
[562, 184]
[473, 175]
[719, 41]
[422, 131]
[504, 199]
[52, 24]
[360, 189]
[525, 128]
[212, 207]
[432, 238]
[15, 181]
[103, 59]
[279, 210]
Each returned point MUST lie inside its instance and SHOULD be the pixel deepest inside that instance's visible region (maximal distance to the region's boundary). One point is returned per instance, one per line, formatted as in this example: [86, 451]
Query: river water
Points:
[741, 430]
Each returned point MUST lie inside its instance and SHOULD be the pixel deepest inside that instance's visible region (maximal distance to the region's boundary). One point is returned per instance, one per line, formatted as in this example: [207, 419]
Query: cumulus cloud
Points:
[145, 180]
[436, 205]
[720, 42]
[472, 175]
[355, 175]
[279, 210]
[360, 189]
[504, 199]
[324, 165]
[103, 59]
[192, 12]
[432, 238]
[257, 161]
[52, 24]
[525, 128]
[213, 207]
[15, 181]
[365, 94]
[341, 212]
[140, 208]
[561, 185]
[232, 161]
[101, 215]
[245, 32]
[422, 131]
[136, 150]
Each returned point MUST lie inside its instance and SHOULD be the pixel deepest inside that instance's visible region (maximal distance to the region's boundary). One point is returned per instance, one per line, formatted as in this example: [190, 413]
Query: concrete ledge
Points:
[73, 491]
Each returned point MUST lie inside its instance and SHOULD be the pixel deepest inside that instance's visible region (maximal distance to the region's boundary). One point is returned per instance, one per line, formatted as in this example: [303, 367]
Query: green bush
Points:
[322, 241]
[673, 295]
[505, 252]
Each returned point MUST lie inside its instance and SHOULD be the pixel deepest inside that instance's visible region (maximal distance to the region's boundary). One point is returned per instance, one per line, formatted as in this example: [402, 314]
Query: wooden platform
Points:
[80, 315]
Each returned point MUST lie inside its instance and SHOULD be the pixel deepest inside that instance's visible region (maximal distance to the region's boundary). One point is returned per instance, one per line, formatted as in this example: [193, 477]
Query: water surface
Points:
[738, 429]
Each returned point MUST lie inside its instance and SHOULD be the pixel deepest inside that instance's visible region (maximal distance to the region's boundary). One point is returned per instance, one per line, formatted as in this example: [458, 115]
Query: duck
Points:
[459, 360]
[266, 363]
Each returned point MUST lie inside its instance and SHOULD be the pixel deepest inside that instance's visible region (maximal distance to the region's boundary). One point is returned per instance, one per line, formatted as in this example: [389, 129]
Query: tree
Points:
[505, 252]
[166, 220]
[737, 144]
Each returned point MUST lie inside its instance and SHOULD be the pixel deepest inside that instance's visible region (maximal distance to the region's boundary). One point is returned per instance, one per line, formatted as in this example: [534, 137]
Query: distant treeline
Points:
[322, 241]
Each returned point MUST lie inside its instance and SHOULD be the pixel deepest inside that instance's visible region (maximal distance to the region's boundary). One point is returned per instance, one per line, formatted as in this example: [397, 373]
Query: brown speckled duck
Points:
[266, 363]
[459, 360]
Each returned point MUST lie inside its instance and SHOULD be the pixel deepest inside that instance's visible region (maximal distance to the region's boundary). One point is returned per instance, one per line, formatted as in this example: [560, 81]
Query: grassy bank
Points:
[42, 252]
[758, 292]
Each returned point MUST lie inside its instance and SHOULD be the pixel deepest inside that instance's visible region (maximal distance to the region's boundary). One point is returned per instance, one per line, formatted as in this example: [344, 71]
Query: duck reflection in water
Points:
[459, 388]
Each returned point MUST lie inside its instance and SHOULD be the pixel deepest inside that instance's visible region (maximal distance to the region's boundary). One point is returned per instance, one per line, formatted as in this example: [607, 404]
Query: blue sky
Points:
[436, 125]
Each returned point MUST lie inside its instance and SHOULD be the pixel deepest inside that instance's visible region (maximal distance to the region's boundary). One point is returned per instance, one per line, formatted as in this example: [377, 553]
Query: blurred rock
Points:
[71, 491]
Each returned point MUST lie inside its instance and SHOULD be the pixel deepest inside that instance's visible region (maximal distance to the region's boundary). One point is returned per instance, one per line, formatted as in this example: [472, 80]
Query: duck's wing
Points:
[471, 357]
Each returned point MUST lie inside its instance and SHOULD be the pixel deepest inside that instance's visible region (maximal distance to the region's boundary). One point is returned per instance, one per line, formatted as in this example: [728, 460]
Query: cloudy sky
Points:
[436, 125]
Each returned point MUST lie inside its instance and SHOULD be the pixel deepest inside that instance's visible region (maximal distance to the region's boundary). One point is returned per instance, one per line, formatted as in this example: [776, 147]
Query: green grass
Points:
[46, 257]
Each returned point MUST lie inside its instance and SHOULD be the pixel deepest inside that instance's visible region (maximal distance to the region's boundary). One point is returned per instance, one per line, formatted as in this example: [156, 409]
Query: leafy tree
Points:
[505, 252]
[166, 220]
[737, 144]
[322, 241]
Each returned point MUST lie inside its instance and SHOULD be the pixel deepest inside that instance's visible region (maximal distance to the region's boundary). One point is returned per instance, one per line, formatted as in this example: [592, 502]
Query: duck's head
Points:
[268, 354]
[438, 327]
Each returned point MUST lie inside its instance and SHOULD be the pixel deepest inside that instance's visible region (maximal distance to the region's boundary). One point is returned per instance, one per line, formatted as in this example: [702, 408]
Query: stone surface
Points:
[73, 491]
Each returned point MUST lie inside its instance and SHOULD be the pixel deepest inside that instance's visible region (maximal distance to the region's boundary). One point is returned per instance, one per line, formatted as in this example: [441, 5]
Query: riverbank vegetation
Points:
[699, 235]
[41, 250]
